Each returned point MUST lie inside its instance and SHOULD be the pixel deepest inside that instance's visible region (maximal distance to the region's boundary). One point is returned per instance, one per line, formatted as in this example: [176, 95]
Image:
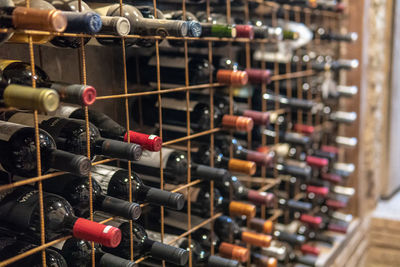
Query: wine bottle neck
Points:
[65, 161]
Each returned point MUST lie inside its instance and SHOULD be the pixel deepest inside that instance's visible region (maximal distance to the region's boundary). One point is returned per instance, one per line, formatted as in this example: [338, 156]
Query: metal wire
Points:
[265, 182]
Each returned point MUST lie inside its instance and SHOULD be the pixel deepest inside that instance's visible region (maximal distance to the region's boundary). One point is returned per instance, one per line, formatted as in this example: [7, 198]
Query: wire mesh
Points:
[328, 19]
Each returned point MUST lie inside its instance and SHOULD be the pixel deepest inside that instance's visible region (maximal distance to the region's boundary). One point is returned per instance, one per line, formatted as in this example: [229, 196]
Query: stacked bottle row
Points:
[107, 22]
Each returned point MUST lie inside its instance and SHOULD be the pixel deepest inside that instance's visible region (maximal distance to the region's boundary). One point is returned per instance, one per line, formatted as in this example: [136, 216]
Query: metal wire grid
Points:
[265, 183]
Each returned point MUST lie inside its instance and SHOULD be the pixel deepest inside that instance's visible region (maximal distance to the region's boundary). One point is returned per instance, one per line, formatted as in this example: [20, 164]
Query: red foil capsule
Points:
[335, 204]
[337, 228]
[317, 162]
[244, 31]
[261, 159]
[313, 221]
[148, 142]
[257, 76]
[318, 190]
[262, 198]
[330, 149]
[308, 249]
[106, 235]
[89, 95]
[259, 118]
[332, 177]
[304, 129]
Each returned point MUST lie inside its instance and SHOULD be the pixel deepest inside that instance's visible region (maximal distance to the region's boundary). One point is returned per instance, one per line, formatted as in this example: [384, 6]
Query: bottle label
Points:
[26, 119]
[17, 207]
[152, 159]
[65, 111]
[59, 245]
[7, 129]
[103, 174]
[176, 104]
[5, 62]
[151, 137]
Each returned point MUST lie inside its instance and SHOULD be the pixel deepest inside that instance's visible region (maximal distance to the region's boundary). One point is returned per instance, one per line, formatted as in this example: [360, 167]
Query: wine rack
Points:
[327, 19]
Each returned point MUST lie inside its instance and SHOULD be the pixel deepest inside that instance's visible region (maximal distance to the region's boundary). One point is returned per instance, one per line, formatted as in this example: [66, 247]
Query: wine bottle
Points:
[278, 250]
[242, 30]
[267, 32]
[205, 239]
[330, 5]
[78, 253]
[26, 97]
[200, 204]
[29, 18]
[76, 191]
[11, 246]
[223, 103]
[256, 224]
[174, 116]
[20, 211]
[202, 257]
[288, 137]
[224, 249]
[209, 28]
[304, 129]
[279, 150]
[227, 229]
[300, 170]
[341, 64]
[224, 143]
[221, 161]
[260, 260]
[343, 117]
[313, 235]
[17, 72]
[306, 260]
[293, 239]
[115, 182]
[148, 12]
[172, 71]
[343, 169]
[222, 178]
[310, 233]
[194, 27]
[70, 135]
[144, 246]
[175, 165]
[241, 192]
[109, 128]
[256, 76]
[140, 25]
[292, 103]
[18, 152]
[328, 35]
[81, 19]
[51, 16]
